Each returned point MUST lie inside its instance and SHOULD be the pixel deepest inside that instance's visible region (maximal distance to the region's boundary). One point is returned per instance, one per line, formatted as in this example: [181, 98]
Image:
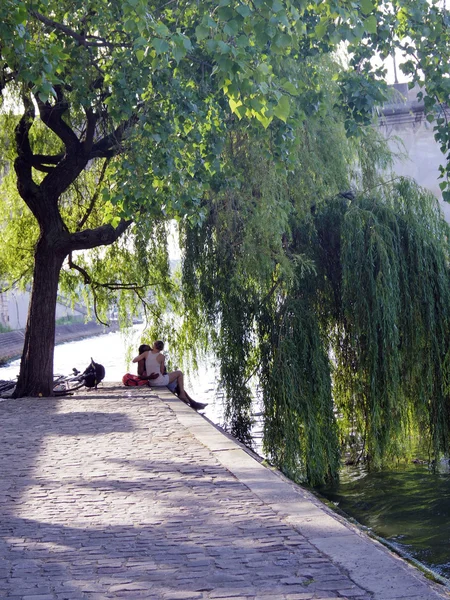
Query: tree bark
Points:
[36, 367]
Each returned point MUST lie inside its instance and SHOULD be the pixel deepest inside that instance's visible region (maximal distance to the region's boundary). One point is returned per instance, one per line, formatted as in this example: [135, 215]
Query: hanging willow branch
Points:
[352, 355]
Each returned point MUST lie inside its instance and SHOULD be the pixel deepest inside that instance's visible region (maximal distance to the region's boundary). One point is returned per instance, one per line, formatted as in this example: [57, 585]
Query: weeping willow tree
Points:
[333, 300]
[391, 342]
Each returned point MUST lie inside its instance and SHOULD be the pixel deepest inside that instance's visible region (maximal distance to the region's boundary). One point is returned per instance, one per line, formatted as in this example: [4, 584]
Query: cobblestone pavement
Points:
[107, 495]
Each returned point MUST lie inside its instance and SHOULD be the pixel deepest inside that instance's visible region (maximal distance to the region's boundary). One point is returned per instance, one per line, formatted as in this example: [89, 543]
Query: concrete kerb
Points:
[367, 562]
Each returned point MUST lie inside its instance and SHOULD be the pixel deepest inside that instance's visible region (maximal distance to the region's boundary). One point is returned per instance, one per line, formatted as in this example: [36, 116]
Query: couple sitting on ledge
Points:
[151, 366]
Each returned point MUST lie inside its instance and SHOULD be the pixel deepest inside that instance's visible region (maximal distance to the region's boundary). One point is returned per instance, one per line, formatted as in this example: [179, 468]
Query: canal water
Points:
[407, 505]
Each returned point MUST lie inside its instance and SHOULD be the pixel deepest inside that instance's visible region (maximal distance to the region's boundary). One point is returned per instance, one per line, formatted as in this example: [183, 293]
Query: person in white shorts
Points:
[156, 373]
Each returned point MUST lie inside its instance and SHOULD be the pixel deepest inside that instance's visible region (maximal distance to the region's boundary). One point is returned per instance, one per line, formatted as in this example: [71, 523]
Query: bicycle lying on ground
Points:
[90, 378]
[6, 387]
[64, 385]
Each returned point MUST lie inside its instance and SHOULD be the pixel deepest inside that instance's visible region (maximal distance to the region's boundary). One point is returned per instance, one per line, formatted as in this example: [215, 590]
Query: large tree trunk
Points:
[36, 368]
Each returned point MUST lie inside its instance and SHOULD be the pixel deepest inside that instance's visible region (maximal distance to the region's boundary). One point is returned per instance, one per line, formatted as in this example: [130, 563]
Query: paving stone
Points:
[109, 494]
[184, 595]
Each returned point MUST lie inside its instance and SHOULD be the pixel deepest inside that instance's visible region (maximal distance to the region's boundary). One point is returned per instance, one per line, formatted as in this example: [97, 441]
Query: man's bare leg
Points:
[182, 394]
[178, 376]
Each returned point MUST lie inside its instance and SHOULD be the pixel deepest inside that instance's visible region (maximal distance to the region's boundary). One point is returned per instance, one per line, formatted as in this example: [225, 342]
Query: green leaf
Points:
[160, 46]
[321, 28]
[179, 52]
[225, 13]
[162, 30]
[282, 40]
[370, 24]
[234, 103]
[289, 87]
[263, 119]
[201, 32]
[241, 111]
[140, 55]
[129, 25]
[186, 42]
[282, 109]
[223, 47]
[366, 6]
[244, 10]
[231, 28]
[242, 41]
[277, 6]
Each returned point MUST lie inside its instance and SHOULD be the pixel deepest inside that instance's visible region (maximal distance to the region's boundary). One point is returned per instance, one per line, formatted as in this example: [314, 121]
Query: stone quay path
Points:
[125, 493]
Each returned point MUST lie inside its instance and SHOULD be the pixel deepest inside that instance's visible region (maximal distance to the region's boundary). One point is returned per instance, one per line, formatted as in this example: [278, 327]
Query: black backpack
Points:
[93, 374]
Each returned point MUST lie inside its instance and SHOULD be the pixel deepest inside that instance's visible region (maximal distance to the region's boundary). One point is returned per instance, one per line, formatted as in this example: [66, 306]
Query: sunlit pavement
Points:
[119, 493]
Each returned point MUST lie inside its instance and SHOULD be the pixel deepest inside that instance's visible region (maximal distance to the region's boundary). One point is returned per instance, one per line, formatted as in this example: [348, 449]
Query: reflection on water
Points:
[409, 506]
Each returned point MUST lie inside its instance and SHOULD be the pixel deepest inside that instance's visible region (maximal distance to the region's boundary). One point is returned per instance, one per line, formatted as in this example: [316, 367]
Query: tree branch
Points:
[82, 40]
[110, 145]
[91, 119]
[37, 161]
[96, 312]
[110, 285]
[41, 162]
[23, 163]
[52, 115]
[104, 235]
[94, 197]
[47, 159]
[86, 277]
[3, 290]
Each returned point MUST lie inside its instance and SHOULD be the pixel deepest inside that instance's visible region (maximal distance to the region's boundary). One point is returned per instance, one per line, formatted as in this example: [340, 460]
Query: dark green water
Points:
[409, 506]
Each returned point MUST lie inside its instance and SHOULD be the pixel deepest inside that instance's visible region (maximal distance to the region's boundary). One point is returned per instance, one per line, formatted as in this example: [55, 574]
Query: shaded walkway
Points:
[121, 494]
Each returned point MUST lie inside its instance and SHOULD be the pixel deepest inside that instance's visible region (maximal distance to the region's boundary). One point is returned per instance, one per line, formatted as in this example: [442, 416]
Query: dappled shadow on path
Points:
[112, 498]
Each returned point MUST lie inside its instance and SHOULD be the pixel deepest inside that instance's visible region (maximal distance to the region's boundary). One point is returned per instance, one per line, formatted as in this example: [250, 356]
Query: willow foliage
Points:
[335, 305]
[393, 370]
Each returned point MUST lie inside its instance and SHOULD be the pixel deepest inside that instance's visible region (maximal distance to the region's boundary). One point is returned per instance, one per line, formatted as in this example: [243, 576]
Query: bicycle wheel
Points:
[67, 385]
[75, 383]
[6, 387]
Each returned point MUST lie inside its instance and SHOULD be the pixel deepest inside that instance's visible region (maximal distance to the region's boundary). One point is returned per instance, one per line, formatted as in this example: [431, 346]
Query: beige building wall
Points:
[404, 120]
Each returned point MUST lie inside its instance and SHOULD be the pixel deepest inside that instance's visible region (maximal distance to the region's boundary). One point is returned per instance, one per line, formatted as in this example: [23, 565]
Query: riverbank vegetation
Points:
[329, 286]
